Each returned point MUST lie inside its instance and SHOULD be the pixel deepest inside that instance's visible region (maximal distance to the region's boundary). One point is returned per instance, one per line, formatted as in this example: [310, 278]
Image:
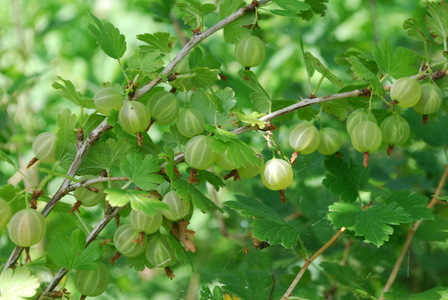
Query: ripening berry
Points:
[108, 99]
[190, 122]
[146, 223]
[276, 174]
[179, 207]
[357, 116]
[198, 153]
[134, 117]
[250, 51]
[163, 107]
[430, 101]
[27, 227]
[304, 138]
[330, 141]
[92, 283]
[43, 147]
[89, 198]
[406, 92]
[125, 241]
[159, 252]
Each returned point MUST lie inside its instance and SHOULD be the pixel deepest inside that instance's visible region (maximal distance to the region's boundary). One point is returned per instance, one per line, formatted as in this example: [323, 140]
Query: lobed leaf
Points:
[319, 67]
[65, 135]
[413, 204]
[188, 192]
[145, 64]
[360, 71]
[345, 180]
[437, 20]
[157, 42]
[193, 11]
[372, 223]
[108, 37]
[139, 168]
[139, 200]
[68, 91]
[18, 284]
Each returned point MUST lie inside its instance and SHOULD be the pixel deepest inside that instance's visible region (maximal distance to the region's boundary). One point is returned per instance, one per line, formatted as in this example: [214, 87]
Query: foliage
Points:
[343, 226]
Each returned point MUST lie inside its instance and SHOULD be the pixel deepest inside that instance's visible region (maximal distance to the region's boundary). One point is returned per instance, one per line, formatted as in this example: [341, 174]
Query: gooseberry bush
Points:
[243, 153]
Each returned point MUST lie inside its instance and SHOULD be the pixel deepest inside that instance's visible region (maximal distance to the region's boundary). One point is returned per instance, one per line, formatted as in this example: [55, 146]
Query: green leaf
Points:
[69, 92]
[18, 284]
[267, 224]
[415, 30]
[194, 11]
[139, 168]
[108, 37]
[208, 104]
[260, 98]
[413, 204]
[372, 223]
[66, 132]
[173, 138]
[211, 178]
[253, 119]
[360, 71]
[139, 200]
[434, 133]
[235, 30]
[397, 65]
[145, 64]
[319, 67]
[437, 20]
[197, 78]
[338, 108]
[291, 9]
[248, 285]
[197, 59]
[437, 293]
[345, 275]
[157, 42]
[317, 7]
[104, 156]
[188, 192]
[72, 253]
[345, 180]
[5, 157]
[179, 251]
[239, 153]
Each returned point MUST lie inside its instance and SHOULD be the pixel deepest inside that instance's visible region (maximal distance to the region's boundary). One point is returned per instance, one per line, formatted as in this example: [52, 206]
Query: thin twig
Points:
[309, 261]
[407, 243]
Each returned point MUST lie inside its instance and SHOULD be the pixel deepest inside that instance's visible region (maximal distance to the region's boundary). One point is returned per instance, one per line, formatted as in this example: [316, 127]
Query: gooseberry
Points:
[395, 131]
[163, 107]
[357, 116]
[43, 147]
[276, 174]
[223, 162]
[89, 198]
[27, 227]
[5, 213]
[179, 207]
[146, 223]
[250, 51]
[198, 153]
[251, 170]
[406, 92]
[190, 122]
[366, 138]
[304, 138]
[92, 283]
[108, 99]
[430, 101]
[159, 252]
[125, 240]
[134, 117]
[330, 141]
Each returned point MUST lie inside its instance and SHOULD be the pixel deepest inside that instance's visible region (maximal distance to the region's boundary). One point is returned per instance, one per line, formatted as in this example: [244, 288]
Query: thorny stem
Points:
[407, 243]
[309, 261]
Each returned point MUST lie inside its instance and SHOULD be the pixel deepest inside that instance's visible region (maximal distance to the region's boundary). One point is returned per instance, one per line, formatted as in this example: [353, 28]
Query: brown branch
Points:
[309, 261]
[196, 39]
[407, 243]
